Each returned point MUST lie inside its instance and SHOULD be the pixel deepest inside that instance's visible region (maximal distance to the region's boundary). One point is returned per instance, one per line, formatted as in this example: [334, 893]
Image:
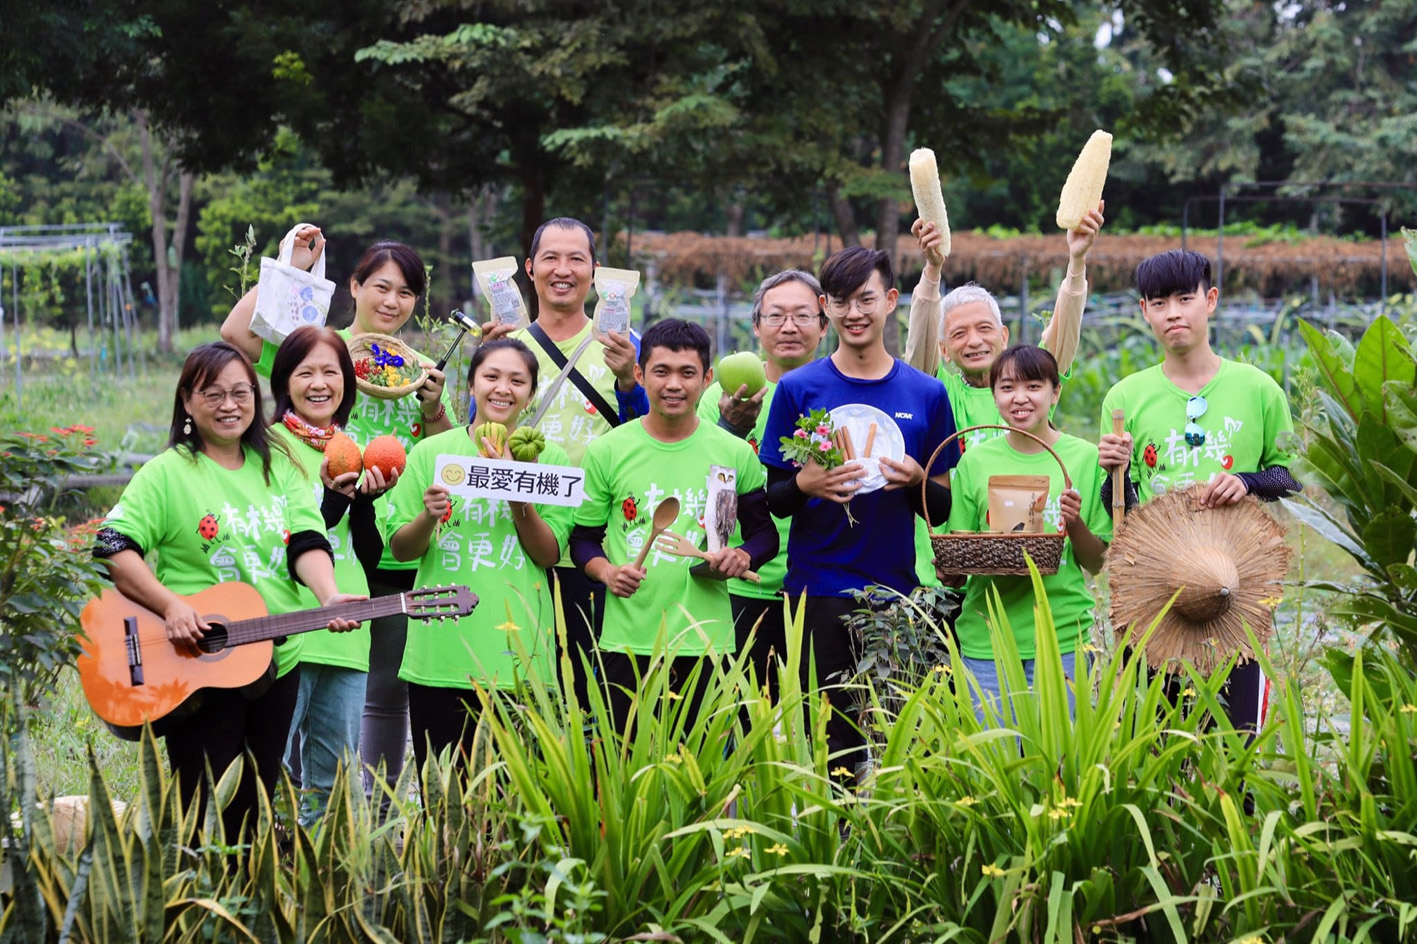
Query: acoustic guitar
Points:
[133, 675]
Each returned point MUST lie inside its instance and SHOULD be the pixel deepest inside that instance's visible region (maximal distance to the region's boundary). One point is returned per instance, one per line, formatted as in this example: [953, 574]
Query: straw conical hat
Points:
[1226, 564]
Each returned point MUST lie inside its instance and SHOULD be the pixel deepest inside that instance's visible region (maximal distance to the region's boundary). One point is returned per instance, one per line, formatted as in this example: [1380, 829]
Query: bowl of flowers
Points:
[385, 367]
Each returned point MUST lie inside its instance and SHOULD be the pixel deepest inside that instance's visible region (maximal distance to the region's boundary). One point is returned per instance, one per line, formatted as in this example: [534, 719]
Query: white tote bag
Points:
[287, 297]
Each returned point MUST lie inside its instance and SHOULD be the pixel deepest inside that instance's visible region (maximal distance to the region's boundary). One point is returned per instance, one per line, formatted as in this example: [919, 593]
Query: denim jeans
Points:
[987, 672]
[324, 731]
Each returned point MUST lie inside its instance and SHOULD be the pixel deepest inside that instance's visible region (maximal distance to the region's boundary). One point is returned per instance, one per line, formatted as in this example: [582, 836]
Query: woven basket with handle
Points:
[990, 553]
[361, 346]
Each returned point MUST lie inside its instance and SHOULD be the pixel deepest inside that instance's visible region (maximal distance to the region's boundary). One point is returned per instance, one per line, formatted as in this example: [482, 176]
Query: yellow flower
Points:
[778, 849]
[673, 759]
[1070, 802]
[966, 801]
[509, 627]
[991, 871]
[740, 853]
[1252, 939]
[1408, 709]
[942, 669]
[673, 696]
[1188, 692]
[1057, 814]
[738, 832]
[1271, 601]
[842, 772]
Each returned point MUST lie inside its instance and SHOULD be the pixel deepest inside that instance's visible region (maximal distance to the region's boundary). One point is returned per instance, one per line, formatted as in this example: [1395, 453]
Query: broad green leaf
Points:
[1404, 575]
[1383, 355]
[1328, 527]
[1389, 535]
[1409, 239]
[1338, 376]
[1399, 482]
[1401, 402]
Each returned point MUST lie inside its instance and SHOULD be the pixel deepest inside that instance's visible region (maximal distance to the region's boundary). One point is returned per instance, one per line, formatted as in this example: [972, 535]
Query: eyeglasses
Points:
[214, 397]
[801, 319]
[866, 304]
[1195, 409]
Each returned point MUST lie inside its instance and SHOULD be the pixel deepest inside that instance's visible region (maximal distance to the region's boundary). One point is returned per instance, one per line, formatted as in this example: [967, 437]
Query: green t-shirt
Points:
[373, 417]
[510, 636]
[211, 525]
[1246, 414]
[1068, 596]
[347, 650]
[628, 473]
[775, 570]
[572, 422]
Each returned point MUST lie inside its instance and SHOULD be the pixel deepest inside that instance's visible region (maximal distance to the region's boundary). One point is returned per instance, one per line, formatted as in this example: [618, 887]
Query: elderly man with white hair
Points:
[966, 329]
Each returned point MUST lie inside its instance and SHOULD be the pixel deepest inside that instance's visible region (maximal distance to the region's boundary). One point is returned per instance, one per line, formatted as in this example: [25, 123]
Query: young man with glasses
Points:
[1199, 420]
[789, 323]
[834, 550]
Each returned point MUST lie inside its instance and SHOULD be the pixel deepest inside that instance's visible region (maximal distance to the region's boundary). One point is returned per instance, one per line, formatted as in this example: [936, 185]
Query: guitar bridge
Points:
[135, 653]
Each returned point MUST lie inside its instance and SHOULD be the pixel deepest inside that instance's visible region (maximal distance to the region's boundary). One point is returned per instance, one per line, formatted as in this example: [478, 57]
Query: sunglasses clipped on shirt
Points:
[1195, 409]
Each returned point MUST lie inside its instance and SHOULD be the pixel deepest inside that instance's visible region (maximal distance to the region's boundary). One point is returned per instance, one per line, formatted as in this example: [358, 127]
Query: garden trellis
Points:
[96, 252]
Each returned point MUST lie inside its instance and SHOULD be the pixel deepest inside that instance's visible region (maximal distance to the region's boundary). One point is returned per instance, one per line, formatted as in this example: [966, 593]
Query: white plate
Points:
[889, 441]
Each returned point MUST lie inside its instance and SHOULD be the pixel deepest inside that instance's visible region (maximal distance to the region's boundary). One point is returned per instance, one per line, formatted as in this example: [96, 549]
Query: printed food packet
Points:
[615, 288]
[721, 509]
[1016, 503]
[498, 278]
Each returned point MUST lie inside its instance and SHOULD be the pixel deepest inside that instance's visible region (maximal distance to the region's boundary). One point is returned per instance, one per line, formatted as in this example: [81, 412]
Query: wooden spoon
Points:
[665, 514]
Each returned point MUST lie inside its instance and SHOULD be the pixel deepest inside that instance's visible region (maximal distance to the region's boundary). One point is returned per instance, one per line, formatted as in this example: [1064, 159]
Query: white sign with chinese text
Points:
[510, 480]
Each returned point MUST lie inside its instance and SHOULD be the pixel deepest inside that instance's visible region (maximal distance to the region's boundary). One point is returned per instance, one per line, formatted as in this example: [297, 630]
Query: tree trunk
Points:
[444, 300]
[844, 217]
[897, 112]
[533, 209]
[186, 180]
[155, 180]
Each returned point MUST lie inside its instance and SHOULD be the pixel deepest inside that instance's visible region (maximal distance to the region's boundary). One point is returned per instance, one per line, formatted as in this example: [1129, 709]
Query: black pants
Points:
[583, 602]
[440, 718]
[760, 628]
[836, 649]
[223, 726]
[623, 673]
[1243, 693]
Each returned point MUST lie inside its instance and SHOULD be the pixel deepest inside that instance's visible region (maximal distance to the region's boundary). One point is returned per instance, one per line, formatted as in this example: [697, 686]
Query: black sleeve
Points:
[333, 506]
[586, 544]
[364, 535]
[760, 537]
[784, 497]
[302, 542]
[939, 498]
[109, 542]
[1270, 484]
[1129, 490]
[740, 431]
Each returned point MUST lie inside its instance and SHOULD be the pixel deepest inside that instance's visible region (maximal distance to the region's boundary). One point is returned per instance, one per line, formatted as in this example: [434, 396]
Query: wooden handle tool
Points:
[1119, 492]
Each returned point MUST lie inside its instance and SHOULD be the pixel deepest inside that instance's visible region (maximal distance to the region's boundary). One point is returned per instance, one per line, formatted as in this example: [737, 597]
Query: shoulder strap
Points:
[597, 399]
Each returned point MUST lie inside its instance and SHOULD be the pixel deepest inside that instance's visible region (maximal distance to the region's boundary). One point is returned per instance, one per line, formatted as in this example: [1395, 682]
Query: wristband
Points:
[442, 412]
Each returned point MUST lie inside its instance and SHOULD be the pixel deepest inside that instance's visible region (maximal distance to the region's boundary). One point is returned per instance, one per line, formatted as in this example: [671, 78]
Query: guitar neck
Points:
[260, 628]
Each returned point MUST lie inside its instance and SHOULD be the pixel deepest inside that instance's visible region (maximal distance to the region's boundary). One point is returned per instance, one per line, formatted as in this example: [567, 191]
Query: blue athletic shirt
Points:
[826, 555]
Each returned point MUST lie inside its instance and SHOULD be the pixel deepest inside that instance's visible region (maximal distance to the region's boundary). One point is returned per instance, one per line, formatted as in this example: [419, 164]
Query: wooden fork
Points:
[670, 543]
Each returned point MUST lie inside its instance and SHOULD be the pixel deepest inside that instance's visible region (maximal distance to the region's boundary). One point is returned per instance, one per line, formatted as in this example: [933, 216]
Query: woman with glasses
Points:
[218, 505]
[1200, 421]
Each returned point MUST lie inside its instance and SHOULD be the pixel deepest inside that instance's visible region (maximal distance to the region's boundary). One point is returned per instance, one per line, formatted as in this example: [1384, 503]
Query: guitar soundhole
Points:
[215, 640]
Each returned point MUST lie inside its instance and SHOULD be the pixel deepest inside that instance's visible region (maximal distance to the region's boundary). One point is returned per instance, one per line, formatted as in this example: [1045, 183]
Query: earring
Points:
[187, 426]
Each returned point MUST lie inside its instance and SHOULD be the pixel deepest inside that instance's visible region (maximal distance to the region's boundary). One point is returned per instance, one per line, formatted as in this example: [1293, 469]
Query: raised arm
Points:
[236, 329]
[1064, 330]
[922, 339]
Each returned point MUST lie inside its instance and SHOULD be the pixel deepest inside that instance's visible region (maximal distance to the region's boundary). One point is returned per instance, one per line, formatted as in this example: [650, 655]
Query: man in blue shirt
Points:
[832, 550]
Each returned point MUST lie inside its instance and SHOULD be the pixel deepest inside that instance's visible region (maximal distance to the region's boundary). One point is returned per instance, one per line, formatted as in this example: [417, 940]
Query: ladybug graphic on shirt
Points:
[208, 527]
[1149, 455]
[590, 408]
[630, 509]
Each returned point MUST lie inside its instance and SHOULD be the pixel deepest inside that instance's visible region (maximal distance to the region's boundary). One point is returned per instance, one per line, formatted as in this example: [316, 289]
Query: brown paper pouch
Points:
[1016, 503]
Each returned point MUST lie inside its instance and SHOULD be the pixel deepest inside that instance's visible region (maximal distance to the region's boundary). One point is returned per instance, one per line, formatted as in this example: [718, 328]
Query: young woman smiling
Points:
[500, 548]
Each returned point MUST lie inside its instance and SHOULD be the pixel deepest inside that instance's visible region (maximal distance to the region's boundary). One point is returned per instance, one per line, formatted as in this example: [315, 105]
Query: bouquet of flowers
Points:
[817, 440]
